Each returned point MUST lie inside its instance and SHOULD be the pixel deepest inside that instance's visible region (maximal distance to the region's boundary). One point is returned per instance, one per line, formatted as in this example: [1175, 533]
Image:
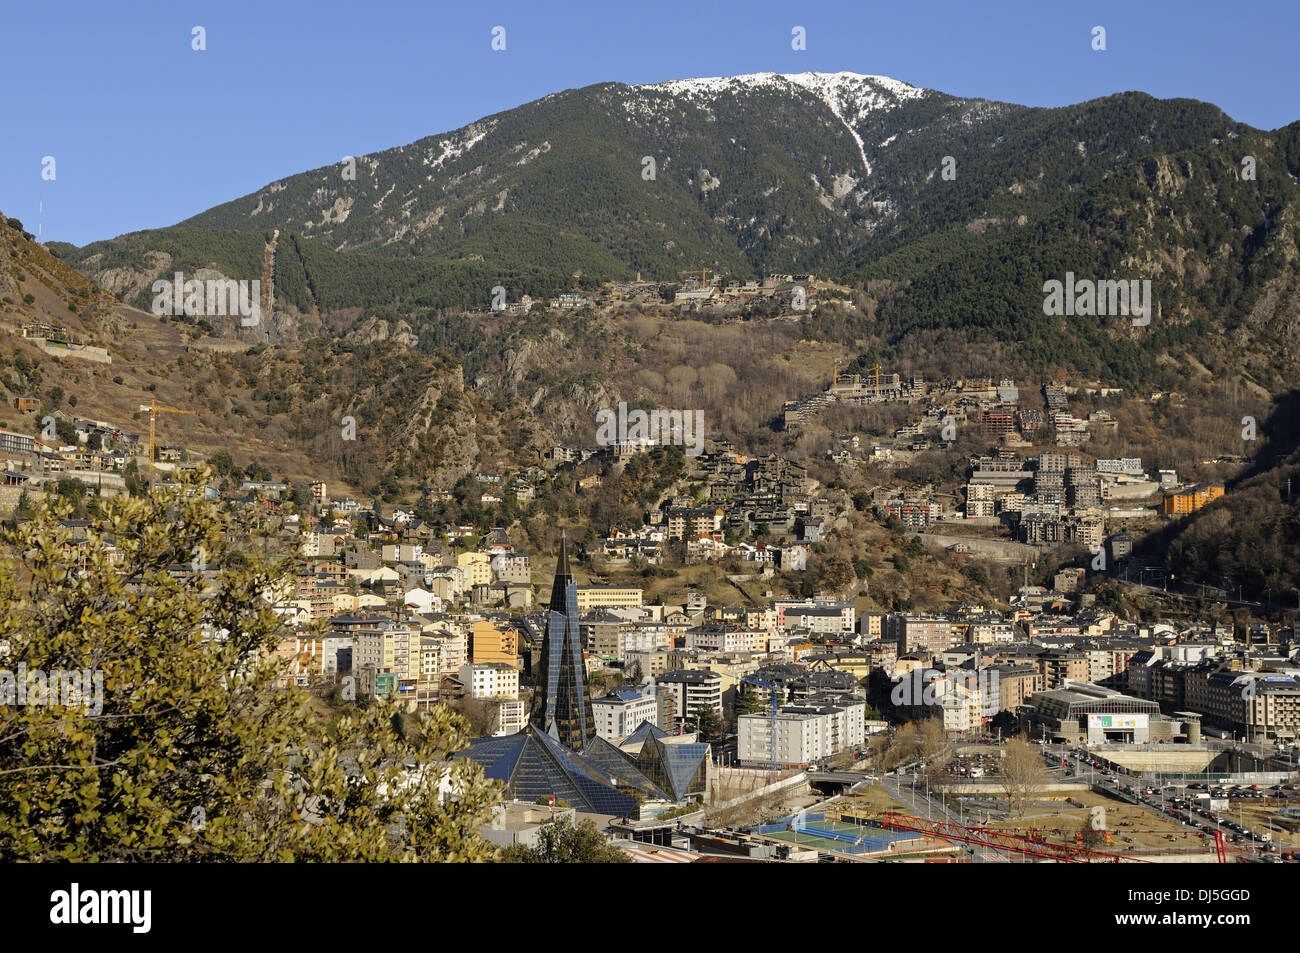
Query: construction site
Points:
[856, 816]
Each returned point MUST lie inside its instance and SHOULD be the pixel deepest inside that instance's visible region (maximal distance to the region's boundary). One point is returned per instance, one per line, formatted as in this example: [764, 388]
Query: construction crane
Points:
[154, 410]
[1000, 840]
[875, 378]
[702, 272]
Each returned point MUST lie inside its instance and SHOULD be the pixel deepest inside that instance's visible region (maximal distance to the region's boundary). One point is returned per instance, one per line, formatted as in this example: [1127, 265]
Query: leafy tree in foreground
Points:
[190, 751]
[562, 842]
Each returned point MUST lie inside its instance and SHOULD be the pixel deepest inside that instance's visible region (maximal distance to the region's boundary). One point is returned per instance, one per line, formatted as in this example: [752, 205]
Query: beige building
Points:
[478, 566]
[653, 662]
[387, 646]
[445, 647]
[607, 597]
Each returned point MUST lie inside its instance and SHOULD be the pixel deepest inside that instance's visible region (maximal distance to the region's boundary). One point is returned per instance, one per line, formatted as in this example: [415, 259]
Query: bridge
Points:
[835, 782]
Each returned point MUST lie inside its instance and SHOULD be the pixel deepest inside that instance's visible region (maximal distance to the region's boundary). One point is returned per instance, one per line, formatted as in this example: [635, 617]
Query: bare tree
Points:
[1022, 775]
[933, 739]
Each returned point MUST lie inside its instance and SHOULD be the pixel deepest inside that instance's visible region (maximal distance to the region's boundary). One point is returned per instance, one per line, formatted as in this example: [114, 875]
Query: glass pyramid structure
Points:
[562, 705]
[622, 770]
[647, 729]
[679, 769]
[533, 766]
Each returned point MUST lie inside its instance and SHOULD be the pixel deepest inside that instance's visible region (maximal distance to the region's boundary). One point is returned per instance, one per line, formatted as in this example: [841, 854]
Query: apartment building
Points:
[690, 691]
[802, 734]
[388, 647]
[652, 662]
[717, 638]
[930, 634]
[13, 442]
[490, 680]
[510, 717]
[1190, 499]
[979, 500]
[493, 641]
[622, 711]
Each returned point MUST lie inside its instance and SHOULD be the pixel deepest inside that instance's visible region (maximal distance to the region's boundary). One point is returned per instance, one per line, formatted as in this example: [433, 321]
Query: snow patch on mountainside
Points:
[451, 148]
[851, 97]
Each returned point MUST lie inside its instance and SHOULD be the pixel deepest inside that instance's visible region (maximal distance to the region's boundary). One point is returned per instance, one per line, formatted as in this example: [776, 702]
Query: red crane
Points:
[1001, 840]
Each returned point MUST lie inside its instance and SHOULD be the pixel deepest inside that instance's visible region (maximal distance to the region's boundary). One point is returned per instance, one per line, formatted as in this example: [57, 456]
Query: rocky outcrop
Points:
[374, 330]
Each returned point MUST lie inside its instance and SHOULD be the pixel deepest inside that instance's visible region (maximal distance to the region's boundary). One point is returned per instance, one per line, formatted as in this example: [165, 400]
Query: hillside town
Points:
[793, 466]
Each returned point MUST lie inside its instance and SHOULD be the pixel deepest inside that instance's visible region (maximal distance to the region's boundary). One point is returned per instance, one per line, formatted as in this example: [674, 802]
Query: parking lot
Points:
[1246, 814]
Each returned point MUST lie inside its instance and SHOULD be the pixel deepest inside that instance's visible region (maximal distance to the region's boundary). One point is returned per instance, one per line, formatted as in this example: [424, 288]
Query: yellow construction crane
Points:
[154, 410]
[875, 373]
[702, 272]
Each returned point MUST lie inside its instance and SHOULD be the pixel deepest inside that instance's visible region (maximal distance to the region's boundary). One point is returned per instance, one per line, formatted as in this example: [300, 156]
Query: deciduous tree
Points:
[186, 747]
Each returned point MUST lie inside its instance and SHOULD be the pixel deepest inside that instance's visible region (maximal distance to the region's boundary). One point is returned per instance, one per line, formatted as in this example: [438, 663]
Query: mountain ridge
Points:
[955, 211]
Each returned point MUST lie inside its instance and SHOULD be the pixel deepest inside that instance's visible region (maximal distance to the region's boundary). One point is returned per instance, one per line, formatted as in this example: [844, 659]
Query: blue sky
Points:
[146, 131]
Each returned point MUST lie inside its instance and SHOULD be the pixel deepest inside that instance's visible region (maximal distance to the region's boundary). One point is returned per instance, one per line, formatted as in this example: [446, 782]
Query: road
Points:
[910, 790]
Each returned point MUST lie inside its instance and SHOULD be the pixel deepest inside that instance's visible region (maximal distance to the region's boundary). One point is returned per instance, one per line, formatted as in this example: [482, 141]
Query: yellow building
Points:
[478, 566]
[493, 642]
[346, 602]
[1182, 502]
[857, 664]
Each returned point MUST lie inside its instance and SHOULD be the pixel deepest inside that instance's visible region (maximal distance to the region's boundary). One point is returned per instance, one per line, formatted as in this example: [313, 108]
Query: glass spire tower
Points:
[562, 705]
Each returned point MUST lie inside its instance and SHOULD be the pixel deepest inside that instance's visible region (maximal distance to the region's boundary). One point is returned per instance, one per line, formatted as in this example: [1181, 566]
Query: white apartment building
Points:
[621, 712]
[511, 717]
[979, 500]
[961, 702]
[642, 637]
[331, 646]
[803, 735]
[717, 639]
[991, 631]
[402, 553]
[490, 680]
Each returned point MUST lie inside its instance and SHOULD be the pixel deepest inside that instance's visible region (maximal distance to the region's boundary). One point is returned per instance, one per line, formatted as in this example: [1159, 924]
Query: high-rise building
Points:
[562, 705]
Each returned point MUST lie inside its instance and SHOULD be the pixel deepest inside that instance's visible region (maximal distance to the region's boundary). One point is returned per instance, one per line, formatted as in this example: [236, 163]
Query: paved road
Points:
[915, 798]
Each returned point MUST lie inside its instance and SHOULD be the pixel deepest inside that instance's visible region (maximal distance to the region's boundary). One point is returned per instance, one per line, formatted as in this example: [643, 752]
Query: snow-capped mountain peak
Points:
[851, 97]
[865, 91]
